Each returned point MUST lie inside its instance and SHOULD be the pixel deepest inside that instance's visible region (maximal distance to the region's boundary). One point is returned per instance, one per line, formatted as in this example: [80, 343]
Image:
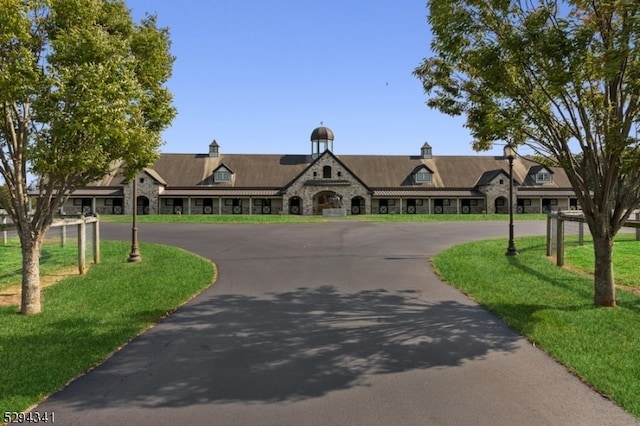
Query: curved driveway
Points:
[337, 323]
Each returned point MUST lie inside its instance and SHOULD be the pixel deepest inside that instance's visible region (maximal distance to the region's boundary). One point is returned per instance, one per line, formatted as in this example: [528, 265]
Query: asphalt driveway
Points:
[336, 323]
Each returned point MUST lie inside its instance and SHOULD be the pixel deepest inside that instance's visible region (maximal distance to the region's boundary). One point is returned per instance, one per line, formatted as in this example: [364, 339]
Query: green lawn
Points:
[626, 251]
[53, 258]
[87, 318]
[200, 218]
[553, 307]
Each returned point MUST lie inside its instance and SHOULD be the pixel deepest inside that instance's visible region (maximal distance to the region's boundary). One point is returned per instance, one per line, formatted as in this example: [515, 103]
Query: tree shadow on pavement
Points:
[288, 346]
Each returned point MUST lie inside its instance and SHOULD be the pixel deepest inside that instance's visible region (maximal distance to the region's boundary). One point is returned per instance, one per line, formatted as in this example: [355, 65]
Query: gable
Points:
[326, 170]
[540, 175]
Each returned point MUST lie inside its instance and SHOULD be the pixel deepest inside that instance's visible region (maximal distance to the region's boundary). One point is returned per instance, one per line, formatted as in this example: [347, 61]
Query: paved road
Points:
[336, 323]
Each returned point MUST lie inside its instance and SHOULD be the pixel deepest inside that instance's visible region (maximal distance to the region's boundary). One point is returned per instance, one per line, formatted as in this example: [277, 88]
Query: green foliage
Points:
[559, 76]
[82, 87]
[553, 308]
[82, 91]
[89, 317]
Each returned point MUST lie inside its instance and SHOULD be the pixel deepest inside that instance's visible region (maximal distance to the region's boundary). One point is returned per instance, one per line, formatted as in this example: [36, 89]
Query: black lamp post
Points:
[134, 256]
[510, 153]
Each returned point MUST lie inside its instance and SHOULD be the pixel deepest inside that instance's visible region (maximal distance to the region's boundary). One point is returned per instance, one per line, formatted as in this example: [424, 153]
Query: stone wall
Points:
[146, 186]
[348, 189]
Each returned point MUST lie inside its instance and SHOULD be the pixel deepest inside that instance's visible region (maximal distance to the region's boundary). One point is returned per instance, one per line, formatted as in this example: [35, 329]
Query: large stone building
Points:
[218, 183]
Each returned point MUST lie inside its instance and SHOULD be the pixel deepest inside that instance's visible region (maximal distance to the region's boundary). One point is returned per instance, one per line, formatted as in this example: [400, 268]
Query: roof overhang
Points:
[230, 192]
[381, 193]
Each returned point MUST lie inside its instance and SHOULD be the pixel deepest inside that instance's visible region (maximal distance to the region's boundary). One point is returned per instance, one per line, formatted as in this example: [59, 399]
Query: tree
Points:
[81, 89]
[562, 77]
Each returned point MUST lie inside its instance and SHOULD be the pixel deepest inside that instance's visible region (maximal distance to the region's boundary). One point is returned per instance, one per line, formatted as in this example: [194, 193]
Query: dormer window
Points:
[222, 174]
[423, 175]
[543, 176]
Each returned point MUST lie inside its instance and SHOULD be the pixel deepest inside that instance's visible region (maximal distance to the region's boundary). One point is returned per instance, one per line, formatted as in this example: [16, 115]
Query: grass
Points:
[553, 307]
[625, 258]
[85, 319]
[53, 258]
[253, 219]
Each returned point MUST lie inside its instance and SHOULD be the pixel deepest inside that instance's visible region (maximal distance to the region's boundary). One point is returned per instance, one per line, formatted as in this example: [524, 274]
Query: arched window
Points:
[326, 172]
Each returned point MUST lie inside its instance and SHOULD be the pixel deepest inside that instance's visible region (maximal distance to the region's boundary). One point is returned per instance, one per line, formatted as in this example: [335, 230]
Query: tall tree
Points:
[562, 77]
[81, 89]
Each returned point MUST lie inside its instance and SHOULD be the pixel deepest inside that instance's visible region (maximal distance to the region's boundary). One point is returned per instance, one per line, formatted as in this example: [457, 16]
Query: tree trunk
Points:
[604, 286]
[31, 302]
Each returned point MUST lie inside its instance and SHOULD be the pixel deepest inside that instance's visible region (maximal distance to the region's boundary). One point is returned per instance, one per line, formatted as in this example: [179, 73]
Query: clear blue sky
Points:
[259, 76]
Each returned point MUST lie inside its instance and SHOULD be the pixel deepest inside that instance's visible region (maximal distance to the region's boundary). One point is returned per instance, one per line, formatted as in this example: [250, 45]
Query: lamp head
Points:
[509, 152]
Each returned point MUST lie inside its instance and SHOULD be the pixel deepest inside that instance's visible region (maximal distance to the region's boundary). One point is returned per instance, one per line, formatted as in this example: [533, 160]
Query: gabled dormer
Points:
[222, 174]
[422, 174]
[494, 177]
[541, 174]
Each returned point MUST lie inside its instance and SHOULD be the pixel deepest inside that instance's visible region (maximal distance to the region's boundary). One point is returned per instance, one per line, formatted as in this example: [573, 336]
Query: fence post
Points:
[4, 230]
[549, 236]
[581, 233]
[560, 242]
[82, 243]
[637, 229]
[63, 236]
[96, 241]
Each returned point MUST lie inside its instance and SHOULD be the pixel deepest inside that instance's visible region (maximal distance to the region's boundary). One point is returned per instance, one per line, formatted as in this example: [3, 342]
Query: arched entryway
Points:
[502, 205]
[357, 205]
[326, 200]
[295, 205]
[142, 204]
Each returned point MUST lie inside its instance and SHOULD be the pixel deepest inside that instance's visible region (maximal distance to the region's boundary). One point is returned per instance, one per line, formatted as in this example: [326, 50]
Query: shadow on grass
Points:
[287, 346]
[554, 279]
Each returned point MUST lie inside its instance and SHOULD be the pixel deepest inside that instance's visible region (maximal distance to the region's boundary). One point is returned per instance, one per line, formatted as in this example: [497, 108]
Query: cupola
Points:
[425, 151]
[214, 149]
[321, 141]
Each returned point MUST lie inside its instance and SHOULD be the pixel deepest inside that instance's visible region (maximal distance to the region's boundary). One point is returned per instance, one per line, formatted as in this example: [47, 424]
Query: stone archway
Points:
[501, 205]
[326, 200]
[142, 204]
[295, 205]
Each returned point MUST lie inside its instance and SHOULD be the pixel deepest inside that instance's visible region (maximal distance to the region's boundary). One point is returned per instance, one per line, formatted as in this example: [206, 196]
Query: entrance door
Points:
[207, 206]
[383, 206]
[237, 206]
[324, 200]
[411, 206]
[117, 206]
[438, 205]
[87, 208]
[466, 206]
[294, 206]
[177, 206]
[266, 206]
[357, 205]
[142, 205]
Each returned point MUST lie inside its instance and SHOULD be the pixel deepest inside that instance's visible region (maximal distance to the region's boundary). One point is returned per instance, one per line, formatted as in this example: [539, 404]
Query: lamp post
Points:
[510, 154]
[134, 256]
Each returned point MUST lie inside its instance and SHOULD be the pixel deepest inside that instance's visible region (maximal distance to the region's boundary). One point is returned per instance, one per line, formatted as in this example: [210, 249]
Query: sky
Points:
[259, 76]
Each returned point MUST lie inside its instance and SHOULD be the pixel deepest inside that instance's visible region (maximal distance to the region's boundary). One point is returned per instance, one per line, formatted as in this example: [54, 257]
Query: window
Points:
[222, 176]
[326, 172]
[141, 180]
[423, 177]
[543, 177]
